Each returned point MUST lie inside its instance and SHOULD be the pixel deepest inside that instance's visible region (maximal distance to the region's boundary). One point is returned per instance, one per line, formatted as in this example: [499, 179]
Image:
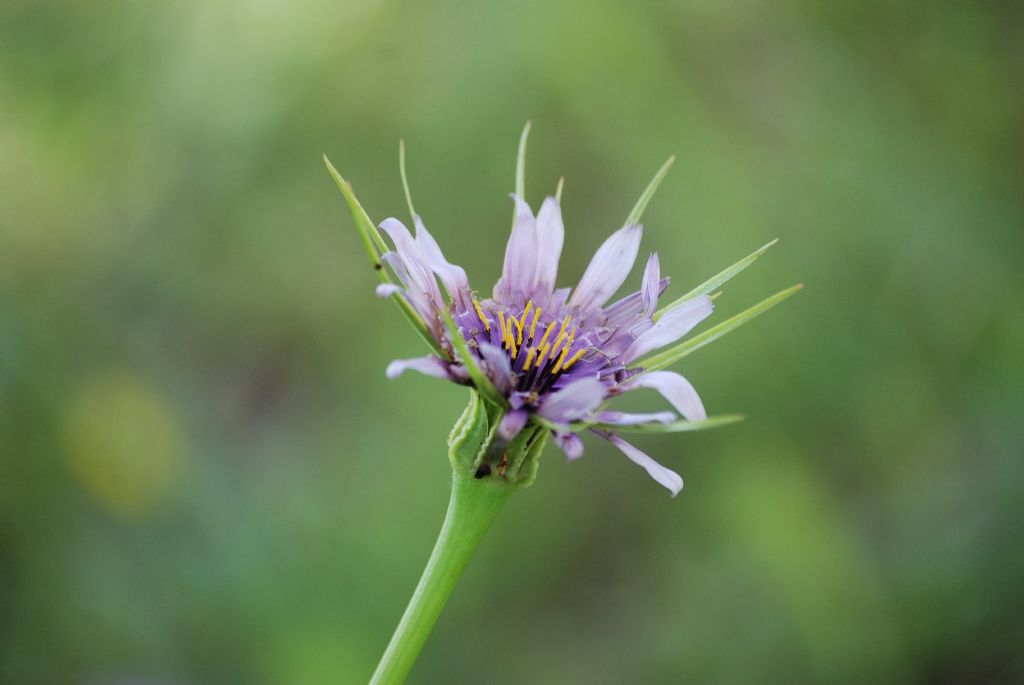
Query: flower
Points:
[546, 357]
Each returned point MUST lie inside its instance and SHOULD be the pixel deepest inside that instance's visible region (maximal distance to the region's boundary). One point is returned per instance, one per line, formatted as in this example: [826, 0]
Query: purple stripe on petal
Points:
[676, 389]
[575, 401]
[628, 419]
[667, 477]
[430, 366]
[649, 288]
[550, 236]
[512, 422]
[675, 323]
[571, 444]
[608, 269]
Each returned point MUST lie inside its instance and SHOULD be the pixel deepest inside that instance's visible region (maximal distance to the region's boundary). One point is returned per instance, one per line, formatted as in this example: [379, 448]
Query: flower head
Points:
[545, 358]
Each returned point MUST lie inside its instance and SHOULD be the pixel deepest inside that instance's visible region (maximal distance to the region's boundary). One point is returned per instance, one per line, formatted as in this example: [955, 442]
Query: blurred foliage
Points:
[205, 478]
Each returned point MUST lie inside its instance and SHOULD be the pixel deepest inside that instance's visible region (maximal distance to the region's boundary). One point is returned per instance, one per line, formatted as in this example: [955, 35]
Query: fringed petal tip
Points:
[428, 366]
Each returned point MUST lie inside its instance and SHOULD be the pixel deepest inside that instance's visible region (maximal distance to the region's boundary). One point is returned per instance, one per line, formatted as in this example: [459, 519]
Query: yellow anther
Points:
[543, 351]
[519, 330]
[501, 320]
[480, 313]
[529, 358]
[533, 326]
[573, 359]
[561, 359]
[511, 342]
[529, 305]
[546, 334]
[561, 332]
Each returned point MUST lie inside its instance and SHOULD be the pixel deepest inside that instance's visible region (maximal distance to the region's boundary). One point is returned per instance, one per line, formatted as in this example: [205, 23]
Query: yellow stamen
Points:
[480, 313]
[543, 351]
[529, 358]
[533, 326]
[519, 330]
[561, 359]
[529, 305]
[547, 333]
[501, 320]
[573, 359]
[561, 332]
[511, 342]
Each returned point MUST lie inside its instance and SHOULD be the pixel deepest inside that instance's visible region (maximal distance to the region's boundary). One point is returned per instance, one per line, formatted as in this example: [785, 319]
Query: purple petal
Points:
[388, 289]
[512, 422]
[676, 389]
[517, 276]
[608, 269]
[675, 323]
[453, 277]
[649, 290]
[571, 444]
[667, 477]
[430, 366]
[575, 401]
[630, 308]
[497, 365]
[628, 419]
[550, 236]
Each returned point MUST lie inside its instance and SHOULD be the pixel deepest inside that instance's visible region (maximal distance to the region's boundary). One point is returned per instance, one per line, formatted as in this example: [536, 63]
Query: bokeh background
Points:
[205, 477]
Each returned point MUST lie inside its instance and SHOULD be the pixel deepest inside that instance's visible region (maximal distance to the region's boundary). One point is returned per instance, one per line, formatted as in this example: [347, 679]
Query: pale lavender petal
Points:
[452, 276]
[550, 236]
[667, 477]
[498, 368]
[389, 289]
[575, 401]
[430, 366]
[674, 324]
[628, 419]
[676, 389]
[420, 300]
[512, 422]
[629, 308]
[608, 269]
[571, 444]
[517, 275]
[649, 290]
[420, 275]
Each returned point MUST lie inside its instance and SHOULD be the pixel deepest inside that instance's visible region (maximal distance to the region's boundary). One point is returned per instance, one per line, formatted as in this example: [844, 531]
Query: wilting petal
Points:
[675, 323]
[667, 477]
[627, 419]
[575, 401]
[570, 444]
[676, 389]
[649, 290]
[452, 276]
[389, 289]
[430, 366]
[550, 236]
[608, 269]
[512, 423]
[517, 276]
[499, 370]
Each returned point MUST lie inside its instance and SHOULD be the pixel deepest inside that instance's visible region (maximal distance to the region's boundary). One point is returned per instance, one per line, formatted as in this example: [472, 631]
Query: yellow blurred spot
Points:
[123, 444]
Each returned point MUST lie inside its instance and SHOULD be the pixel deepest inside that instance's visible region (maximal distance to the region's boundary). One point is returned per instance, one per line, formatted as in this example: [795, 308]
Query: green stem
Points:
[473, 507]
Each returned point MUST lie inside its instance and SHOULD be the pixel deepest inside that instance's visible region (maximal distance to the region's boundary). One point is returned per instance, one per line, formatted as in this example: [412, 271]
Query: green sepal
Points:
[645, 197]
[468, 434]
[674, 354]
[375, 247]
[717, 280]
[681, 426]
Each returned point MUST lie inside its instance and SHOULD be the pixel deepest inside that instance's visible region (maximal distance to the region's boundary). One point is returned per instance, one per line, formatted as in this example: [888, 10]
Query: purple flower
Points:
[544, 356]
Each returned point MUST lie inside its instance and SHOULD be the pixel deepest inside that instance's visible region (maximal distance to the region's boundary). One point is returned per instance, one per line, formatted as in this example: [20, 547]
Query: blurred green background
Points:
[206, 478]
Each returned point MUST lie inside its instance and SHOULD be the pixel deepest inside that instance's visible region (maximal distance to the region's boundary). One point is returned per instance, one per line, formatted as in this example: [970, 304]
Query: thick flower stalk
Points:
[541, 360]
